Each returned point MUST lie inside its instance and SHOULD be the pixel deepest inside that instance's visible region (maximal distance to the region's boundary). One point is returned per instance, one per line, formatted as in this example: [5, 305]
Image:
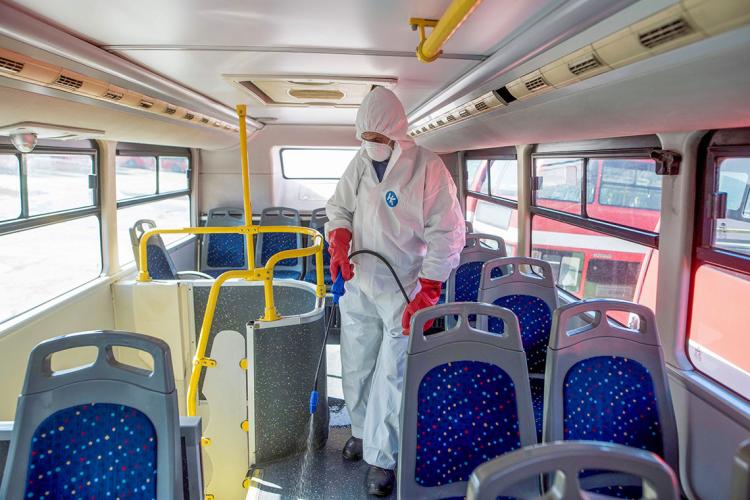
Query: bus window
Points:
[476, 176]
[560, 180]
[504, 178]
[151, 186]
[315, 163]
[50, 238]
[10, 192]
[717, 342]
[629, 193]
[733, 231]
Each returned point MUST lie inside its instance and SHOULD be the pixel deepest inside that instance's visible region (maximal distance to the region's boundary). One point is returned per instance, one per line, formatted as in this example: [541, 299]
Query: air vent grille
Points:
[10, 65]
[189, 116]
[450, 118]
[66, 81]
[665, 33]
[431, 125]
[113, 96]
[146, 104]
[581, 67]
[205, 120]
[464, 113]
[535, 84]
[424, 129]
[170, 110]
[481, 106]
[440, 122]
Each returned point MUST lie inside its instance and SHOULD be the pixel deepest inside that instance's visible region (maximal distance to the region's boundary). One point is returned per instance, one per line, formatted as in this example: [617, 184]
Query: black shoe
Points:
[380, 481]
[352, 449]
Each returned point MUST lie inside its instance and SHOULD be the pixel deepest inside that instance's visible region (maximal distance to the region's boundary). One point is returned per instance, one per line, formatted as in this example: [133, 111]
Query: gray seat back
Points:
[741, 472]
[224, 252]
[318, 219]
[160, 264]
[448, 376]
[463, 282]
[269, 244]
[70, 422]
[600, 372]
[566, 459]
[510, 282]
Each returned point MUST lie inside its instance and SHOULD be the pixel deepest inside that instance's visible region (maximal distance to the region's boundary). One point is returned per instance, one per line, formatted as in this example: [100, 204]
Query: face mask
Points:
[377, 151]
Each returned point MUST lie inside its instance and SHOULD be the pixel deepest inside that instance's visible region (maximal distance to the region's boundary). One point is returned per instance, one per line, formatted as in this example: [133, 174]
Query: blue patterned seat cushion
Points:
[467, 279]
[284, 274]
[611, 398]
[535, 320]
[466, 415]
[158, 263]
[226, 250]
[274, 243]
[311, 277]
[93, 451]
[537, 402]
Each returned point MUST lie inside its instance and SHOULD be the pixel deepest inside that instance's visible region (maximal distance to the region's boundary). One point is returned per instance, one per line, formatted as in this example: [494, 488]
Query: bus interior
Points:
[166, 307]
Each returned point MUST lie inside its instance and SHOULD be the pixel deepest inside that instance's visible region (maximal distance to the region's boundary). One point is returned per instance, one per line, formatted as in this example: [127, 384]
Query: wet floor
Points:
[329, 476]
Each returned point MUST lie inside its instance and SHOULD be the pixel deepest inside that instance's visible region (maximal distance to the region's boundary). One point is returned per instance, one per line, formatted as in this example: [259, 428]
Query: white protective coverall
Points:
[413, 219]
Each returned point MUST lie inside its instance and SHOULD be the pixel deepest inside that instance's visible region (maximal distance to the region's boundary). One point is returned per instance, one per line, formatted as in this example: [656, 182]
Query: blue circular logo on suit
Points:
[391, 199]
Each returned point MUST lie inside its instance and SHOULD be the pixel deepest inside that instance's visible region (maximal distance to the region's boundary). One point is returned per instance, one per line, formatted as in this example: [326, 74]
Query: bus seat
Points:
[512, 283]
[103, 427]
[605, 382]
[463, 282]
[565, 460]
[224, 252]
[318, 219]
[466, 400]
[741, 472]
[160, 264]
[269, 244]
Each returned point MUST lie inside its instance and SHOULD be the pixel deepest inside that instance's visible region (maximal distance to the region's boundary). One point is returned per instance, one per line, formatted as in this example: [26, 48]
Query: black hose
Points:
[388, 265]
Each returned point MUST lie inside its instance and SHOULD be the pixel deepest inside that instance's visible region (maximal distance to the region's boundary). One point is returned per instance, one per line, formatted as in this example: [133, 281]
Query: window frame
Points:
[25, 221]
[129, 149]
[704, 252]
[307, 148]
[584, 221]
[506, 153]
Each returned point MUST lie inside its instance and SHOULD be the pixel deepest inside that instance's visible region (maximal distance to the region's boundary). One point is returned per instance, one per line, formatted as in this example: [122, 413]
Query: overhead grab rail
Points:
[430, 46]
[264, 274]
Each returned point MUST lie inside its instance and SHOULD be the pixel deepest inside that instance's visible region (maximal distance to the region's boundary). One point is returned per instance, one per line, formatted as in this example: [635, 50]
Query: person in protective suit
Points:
[397, 199]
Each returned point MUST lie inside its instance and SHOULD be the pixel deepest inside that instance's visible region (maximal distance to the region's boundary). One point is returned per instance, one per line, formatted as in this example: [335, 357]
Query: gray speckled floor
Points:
[328, 476]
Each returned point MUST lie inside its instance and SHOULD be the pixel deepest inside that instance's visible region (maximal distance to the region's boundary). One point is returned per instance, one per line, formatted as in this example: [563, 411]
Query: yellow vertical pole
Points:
[247, 202]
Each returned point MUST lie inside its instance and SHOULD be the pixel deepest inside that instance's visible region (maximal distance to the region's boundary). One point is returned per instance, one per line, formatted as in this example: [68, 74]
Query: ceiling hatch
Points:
[290, 90]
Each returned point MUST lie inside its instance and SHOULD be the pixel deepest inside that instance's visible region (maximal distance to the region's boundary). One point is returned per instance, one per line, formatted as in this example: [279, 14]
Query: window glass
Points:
[476, 176]
[718, 342]
[561, 180]
[733, 232]
[491, 218]
[136, 176]
[298, 163]
[171, 213]
[59, 182]
[504, 175]
[10, 187]
[173, 173]
[629, 193]
[41, 263]
[586, 263]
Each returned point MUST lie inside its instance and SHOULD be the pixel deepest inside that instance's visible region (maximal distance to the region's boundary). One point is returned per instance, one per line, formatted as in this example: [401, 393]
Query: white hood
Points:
[382, 112]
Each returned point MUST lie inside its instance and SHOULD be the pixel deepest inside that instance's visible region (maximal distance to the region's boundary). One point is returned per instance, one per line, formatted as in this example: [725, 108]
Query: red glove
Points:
[427, 296]
[339, 241]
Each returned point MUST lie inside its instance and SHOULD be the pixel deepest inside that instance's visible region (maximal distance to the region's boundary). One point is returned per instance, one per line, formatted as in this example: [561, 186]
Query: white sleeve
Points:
[340, 207]
[444, 226]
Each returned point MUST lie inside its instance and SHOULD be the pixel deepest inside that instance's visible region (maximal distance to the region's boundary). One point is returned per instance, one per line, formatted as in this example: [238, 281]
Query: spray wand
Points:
[337, 290]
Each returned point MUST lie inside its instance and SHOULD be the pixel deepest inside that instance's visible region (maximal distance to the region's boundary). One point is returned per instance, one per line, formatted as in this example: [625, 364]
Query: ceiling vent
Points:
[146, 104]
[189, 116]
[450, 118]
[535, 84]
[464, 113]
[66, 81]
[671, 30]
[170, 110]
[309, 91]
[10, 65]
[581, 67]
[205, 120]
[113, 96]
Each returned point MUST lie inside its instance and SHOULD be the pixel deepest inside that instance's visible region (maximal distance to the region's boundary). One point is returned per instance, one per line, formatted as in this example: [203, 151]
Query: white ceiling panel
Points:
[350, 24]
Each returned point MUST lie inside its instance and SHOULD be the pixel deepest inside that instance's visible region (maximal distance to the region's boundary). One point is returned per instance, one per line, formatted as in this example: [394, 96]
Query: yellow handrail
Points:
[264, 274]
[429, 47]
